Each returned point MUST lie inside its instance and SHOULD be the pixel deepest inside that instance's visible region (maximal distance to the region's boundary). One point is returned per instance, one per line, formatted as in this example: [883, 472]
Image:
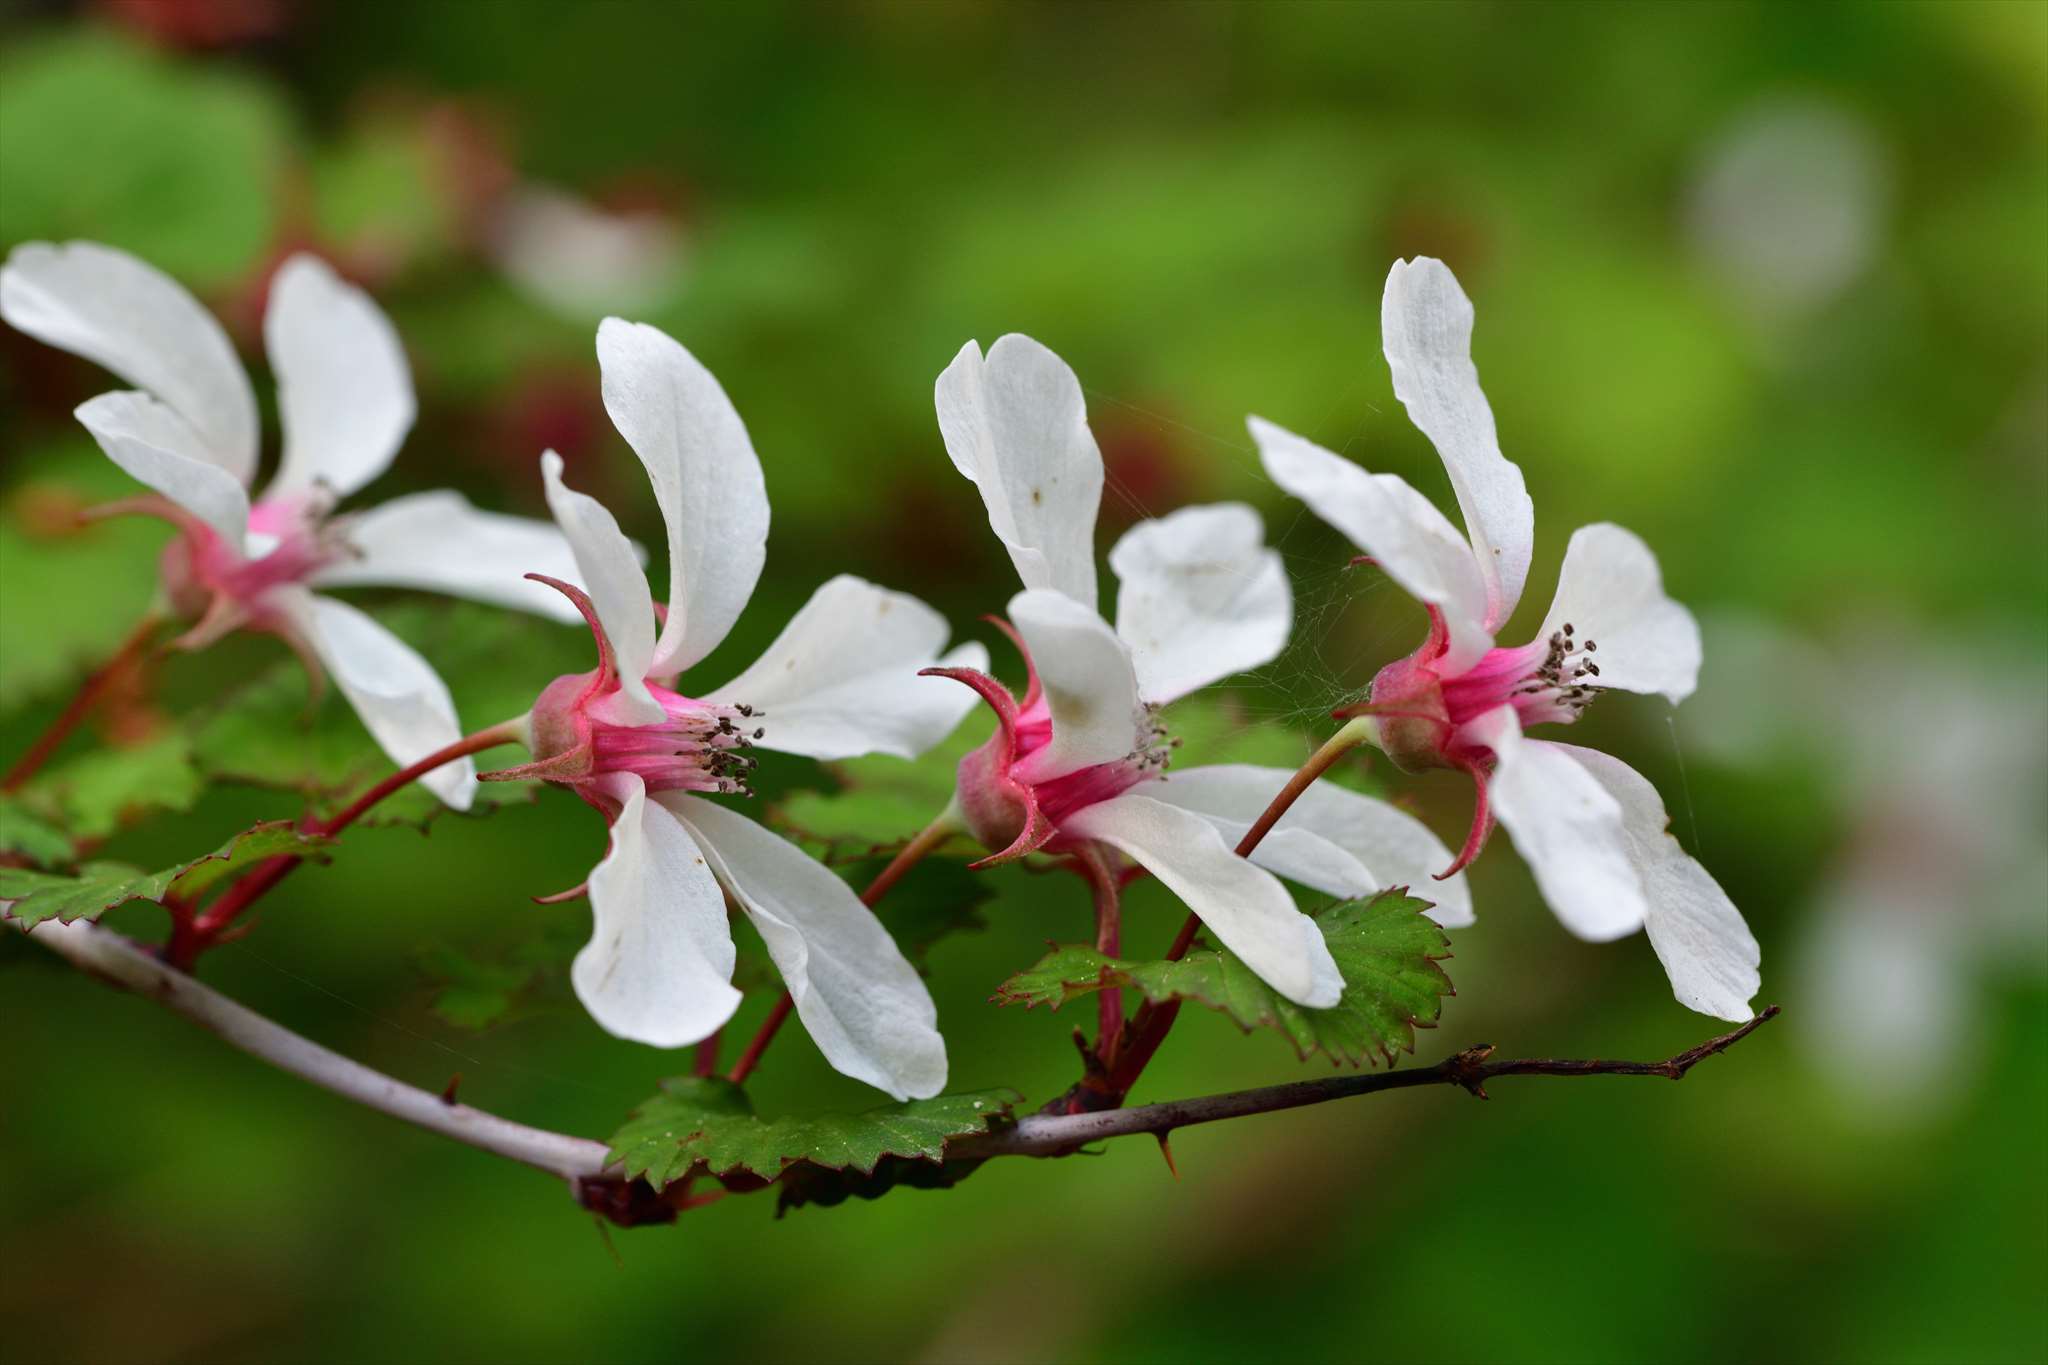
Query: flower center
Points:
[1417, 713]
[698, 747]
[1060, 796]
[1545, 681]
[288, 541]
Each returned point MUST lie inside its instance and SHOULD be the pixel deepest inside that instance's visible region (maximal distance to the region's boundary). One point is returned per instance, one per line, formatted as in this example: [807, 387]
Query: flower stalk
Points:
[1135, 1046]
[910, 855]
[89, 695]
[193, 934]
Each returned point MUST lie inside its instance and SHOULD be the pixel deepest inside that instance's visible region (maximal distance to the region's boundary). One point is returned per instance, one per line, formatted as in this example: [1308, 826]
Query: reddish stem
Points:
[707, 1055]
[89, 694]
[912, 853]
[1109, 942]
[1150, 1026]
[207, 928]
[763, 1036]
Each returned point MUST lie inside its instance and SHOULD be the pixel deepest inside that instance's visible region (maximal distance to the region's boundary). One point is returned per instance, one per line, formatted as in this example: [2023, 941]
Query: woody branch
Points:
[119, 962]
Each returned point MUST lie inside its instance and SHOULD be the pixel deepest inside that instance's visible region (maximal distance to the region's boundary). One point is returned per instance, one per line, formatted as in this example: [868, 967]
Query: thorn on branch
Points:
[1468, 1069]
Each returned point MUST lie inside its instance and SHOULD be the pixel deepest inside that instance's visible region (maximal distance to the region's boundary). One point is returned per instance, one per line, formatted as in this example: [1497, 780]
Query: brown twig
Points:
[585, 1163]
[1061, 1134]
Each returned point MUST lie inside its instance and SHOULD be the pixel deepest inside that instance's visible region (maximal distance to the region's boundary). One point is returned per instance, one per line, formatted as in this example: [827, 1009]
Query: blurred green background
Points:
[1769, 285]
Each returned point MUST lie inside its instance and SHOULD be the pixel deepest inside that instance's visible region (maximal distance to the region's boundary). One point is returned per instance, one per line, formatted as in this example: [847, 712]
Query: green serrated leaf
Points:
[1386, 949]
[271, 839]
[97, 888]
[100, 792]
[710, 1126]
[101, 886]
[26, 836]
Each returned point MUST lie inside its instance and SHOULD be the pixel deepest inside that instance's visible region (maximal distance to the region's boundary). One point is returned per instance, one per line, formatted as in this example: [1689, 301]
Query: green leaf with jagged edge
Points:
[108, 570]
[98, 793]
[29, 838]
[270, 733]
[710, 1127]
[1386, 949]
[101, 886]
[934, 900]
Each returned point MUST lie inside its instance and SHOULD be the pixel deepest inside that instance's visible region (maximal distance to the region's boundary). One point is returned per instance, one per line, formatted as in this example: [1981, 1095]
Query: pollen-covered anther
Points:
[699, 747]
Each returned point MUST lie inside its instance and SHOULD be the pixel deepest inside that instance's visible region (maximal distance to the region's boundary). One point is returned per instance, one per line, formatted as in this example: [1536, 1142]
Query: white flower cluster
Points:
[1076, 765]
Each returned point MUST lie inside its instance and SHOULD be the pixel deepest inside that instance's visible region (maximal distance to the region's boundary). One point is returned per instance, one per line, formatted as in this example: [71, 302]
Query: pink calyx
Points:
[1421, 710]
[697, 746]
[1003, 810]
[225, 587]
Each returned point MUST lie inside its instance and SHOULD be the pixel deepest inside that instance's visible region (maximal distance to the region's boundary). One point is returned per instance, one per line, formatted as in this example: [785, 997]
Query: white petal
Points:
[132, 318]
[1200, 597]
[1409, 540]
[401, 699]
[1088, 679]
[1426, 331]
[610, 573]
[706, 478]
[1706, 949]
[658, 967]
[1017, 427]
[1610, 592]
[1567, 826]
[1331, 839]
[438, 542]
[1242, 905]
[862, 1002]
[841, 679]
[154, 445]
[344, 391]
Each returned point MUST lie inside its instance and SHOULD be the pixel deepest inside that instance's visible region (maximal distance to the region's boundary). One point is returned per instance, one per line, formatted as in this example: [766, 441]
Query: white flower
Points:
[346, 400]
[1591, 828]
[840, 680]
[1079, 760]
